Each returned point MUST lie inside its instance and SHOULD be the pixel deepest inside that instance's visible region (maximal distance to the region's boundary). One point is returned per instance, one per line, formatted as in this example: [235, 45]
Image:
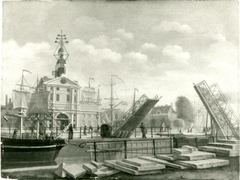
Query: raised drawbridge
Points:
[129, 121]
[225, 120]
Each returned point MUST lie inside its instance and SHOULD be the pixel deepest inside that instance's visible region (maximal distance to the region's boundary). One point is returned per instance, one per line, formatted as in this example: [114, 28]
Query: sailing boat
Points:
[32, 108]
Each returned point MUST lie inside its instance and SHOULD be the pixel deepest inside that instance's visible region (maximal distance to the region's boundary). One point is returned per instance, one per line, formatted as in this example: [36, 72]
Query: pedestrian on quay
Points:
[70, 132]
[85, 130]
[143, 129]
[98, 128]
[90, 129]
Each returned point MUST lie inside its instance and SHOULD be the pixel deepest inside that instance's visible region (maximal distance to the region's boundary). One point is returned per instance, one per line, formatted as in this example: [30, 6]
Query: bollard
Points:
[80, 130]
[154, 151]
[151, 132]
[95, 151]
[125, 149]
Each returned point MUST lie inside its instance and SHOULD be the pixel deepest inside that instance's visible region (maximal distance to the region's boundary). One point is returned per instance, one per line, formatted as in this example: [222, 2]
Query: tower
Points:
[61, 55]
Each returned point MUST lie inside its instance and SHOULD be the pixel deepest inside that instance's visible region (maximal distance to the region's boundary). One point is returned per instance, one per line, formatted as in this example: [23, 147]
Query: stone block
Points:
[140, 168]
[112, 163]
[203, 164]
[97, 164]
[197, 155]
[89, 167]
[165, 157]
[190, 147]
[160, 161]
[60, 172]
[74, 170]
[181, 151]
[138, 162]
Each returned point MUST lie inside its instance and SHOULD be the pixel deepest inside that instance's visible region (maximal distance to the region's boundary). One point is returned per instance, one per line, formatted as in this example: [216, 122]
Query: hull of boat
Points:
[30, 150]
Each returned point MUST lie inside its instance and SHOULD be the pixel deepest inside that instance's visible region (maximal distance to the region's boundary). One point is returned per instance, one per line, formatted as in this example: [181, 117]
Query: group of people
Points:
[90, 129]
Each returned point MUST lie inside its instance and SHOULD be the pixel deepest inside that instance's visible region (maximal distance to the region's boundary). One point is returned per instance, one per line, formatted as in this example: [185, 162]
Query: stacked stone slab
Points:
[192, 158]
[99, 169]
[223, 148]
[135, 166]
[70, 170]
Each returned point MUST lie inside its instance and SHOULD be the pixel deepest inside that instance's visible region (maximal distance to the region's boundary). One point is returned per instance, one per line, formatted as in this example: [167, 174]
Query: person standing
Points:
[70, 132]
[85, 130]
[143, 129]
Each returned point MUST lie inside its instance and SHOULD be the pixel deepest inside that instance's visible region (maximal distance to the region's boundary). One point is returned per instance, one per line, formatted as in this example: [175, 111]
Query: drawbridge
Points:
[129, 121]
[225, 120]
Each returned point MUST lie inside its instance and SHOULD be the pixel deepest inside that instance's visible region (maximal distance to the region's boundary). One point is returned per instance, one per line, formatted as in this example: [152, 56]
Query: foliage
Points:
[184, 109]
[178, 123]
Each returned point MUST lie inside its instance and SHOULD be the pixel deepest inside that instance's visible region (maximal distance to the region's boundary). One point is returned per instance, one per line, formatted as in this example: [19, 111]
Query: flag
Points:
[124, 103]
[5, 118]
[118, 78]
[24, 70]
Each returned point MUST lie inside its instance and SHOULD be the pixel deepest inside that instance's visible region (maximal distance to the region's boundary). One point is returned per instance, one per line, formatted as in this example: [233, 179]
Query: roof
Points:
[162, 109]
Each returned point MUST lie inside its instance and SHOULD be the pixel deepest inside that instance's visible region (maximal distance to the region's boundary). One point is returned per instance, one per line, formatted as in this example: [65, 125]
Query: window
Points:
[89, 115]
[68, 90]
[68, 98]
[51, 97]
[57, 97]
[83, 115]
[83, 123]
[58, 88]
[89, 123]
[75, 90]
[75, 98]
[51, 88]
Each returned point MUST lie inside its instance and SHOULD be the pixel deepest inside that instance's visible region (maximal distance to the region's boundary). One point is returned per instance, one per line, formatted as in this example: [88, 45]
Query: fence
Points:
[79, 132]
[101, 150]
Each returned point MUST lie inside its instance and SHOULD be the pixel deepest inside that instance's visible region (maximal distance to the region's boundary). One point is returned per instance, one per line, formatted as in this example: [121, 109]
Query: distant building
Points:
[161, 116]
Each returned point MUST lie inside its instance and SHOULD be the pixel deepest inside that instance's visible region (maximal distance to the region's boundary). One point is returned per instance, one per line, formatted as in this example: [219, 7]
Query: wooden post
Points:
[154, 150]
[95, 151]
[125, 149]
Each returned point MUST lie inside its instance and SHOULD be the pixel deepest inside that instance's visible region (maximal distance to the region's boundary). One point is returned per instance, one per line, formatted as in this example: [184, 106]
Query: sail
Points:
[88, 93]
[21, 99]
[38, 103]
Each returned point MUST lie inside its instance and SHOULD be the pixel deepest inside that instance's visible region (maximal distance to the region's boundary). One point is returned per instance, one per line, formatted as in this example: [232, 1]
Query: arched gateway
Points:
[62, 120]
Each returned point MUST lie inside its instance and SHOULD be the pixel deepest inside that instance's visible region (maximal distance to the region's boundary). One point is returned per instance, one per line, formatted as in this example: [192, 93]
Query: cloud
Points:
[212, 37]
[173, 26]
[136, 56]
[95, 54]
[149, 47]
[125, 35]
[176, 52]
[88, 23]
[102, 41]
[31, 56]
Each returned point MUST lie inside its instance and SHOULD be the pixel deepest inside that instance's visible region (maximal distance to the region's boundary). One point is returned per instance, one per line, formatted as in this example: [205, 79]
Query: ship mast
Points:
[21, 108]
[112, 98]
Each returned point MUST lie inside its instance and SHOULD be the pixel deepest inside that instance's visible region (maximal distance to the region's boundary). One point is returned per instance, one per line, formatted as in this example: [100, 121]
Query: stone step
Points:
[139, 162]
[160, 161]
[74, 171]
[112, 163]
[228, 141]
[190, 147]
[224, 145]
[203, 164]
[197, 155]
[60, 171]
[90, 168]
[105, 171]
[220, 151]
[165, 157]
[97, 164]
[141, 168]
[181, 151]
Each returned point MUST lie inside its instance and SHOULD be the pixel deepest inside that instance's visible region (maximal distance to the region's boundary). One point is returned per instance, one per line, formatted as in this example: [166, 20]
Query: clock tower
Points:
[61, 55]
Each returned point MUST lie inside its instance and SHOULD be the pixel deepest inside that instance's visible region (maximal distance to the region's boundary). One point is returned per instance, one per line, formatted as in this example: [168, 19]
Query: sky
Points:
[159, 47]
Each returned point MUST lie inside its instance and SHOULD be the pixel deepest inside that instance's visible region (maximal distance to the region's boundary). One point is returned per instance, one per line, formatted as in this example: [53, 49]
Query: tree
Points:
[178, 123]
[184, 109]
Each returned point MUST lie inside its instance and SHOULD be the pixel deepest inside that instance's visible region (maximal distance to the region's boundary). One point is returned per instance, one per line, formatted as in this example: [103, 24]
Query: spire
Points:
[61, 55]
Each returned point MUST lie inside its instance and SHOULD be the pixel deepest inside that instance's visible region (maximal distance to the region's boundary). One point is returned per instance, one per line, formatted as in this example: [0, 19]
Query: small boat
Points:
[40, 146]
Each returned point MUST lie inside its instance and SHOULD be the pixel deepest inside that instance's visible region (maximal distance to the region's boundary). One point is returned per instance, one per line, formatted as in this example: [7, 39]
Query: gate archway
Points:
[63, 120]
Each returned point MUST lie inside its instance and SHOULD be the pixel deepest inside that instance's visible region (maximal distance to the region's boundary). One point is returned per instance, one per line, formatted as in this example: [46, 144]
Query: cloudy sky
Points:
[158, 47]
